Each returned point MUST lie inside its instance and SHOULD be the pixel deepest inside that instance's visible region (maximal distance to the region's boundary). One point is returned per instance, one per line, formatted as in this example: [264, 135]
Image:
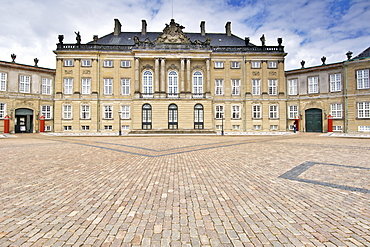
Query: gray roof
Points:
[365, 53]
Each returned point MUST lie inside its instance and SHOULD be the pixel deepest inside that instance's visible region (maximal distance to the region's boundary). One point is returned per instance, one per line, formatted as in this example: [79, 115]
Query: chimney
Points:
[203, 28]
[143, 27]
[117, 27]
[228, 28]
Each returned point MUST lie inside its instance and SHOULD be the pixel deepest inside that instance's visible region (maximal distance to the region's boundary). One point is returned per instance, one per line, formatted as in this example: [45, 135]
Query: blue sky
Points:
[310, 29]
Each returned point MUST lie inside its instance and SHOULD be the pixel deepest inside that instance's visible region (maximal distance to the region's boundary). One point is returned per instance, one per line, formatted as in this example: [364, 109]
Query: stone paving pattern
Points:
[183, 191]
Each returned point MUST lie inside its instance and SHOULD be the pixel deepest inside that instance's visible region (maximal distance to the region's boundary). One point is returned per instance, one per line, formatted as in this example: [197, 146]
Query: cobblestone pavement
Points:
[296, 190]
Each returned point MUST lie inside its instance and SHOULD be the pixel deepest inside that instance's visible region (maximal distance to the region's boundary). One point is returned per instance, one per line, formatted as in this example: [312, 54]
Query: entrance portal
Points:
[313, 120]
[23, 120]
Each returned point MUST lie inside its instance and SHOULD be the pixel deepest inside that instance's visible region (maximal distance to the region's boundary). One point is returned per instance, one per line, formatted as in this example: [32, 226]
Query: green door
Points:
[313, 120]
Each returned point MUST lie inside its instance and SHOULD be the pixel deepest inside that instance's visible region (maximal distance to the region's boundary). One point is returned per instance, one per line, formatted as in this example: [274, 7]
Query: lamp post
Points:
[222, 125]
[120, 125]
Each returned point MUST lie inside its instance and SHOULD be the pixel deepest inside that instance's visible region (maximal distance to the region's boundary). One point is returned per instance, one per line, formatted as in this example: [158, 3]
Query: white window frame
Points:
[108, 86]
[85, 111]
[125, 112]
[173, 84]
[256, 64]
[85, 85]
[236, 127]
[219, 111]
[293, 86]
[219, 64]
[273, 86]
[219, 87]
[363, 109]
[46, 111]
[68, 85]
[235, 111]
[108, 127]
[336, 110]
[257, 127]
[148, 82]
[273, 111]
[108, 63]
[86, 63]
[108, 112]
[256, 111]
[68, 62]
[125, 86]
[274, 127]
[46, 86]
[292, 111]
[67, 111]
[235, 65]
[272, 64]
[197, 82]
[3, 78]
[364, 128]
[24, 84]
[337, 128]
[313, 84]
[85, 127]
[67, 127]
[363, 79]
[2, 110]
[125, 63]
[256, 86]
[335, 82]
[235, 84]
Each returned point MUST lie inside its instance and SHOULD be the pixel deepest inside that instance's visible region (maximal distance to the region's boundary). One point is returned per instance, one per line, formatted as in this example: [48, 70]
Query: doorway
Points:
[313, 120]
[23, 120]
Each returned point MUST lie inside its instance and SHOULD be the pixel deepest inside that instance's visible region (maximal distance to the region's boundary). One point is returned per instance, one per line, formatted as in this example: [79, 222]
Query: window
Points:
[197, 83]
[235, 109]
[313, 84]
[293, 111]
[218, 127]
[335, 82]
[125, 64]
[363, 110]
[198, 116]
[85, 127]
[67, 111]
[85, 111]
[219, 87]
[257, 127]
[235, 84]
[68, 86]
[108, 63]
[125, 112]
[336, 110]
[3, 77]
[46, 111]
[67, 127]
[24, 84]
[147, 116]
[108, 112]
[236, 127]
[364, 128]
[86, 85]
[2, 110]
[219, 65]
[47, 128]
[108, 86]
[125, 127]
[273, 127]
[86, 63]
[272, 64]
[46, 86]
[363, 79]
[272, 86]
[108, 127]
[293, 87]
[148, 82]
[256, 111]
[235, 65]
[125, 86]
[172, 83]
[256, 86]
[256, 64]
[172, 116]
[273, 112]
[219, 111]
[337, 128]
[68, 63]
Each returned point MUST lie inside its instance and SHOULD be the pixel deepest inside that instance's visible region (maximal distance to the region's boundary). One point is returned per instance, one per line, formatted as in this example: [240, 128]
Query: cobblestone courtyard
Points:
[293, 190]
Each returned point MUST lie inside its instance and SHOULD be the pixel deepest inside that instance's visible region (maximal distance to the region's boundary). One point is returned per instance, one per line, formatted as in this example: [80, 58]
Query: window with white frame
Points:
[108, 86]
[24, 84]
[272, 86]
[272, 64]
[68, 62]
[219, 87]
[67, 127]
[108, 63]
[197, 82]
[363, 79]
[256, 64]
[46, 86]
[337, 128]
[256, 86]
[235, 111]
[293, 86]
[235, 65]
[336, 110]
[68, 85]
[125, 112]
[335, 82]
[273, 127]
[86, 62]
[257, 127]
[293, 111]
[108, 127]
[363, 110]
[218, 126]
[172, 83]
[364, 128]
[67, 111]
[313, 84]
[46, 111]
[219, 65]
[235, 84]
[85, 127]
[108, 112]
[85, 111]
[3, 77]
[236, 127]
[219, 111]
[125, 64]
[47, 128]
[125, 86]
[256, 111]
[2, 110]
[125, 127]
[86, 85]
[147, 82]
[273, 112]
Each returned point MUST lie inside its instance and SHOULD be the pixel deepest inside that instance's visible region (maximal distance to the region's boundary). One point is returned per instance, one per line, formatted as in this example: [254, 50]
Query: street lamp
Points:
[120, 125]
[222, 125]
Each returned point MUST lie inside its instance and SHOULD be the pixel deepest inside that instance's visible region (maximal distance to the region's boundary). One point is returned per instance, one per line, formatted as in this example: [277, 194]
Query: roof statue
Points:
[173, 34]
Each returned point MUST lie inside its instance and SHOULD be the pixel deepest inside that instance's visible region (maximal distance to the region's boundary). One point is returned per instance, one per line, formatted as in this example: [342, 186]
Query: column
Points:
[188, 75]
[137, 75]
[208, 89]
[163, 75]
[182, 74]
[156, 75]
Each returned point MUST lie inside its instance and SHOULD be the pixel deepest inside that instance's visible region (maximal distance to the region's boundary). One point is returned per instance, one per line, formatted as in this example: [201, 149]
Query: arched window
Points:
[172, 84]
[172, 117]
[198, 116]
[197, 84]
[147, 117]
[147, 82]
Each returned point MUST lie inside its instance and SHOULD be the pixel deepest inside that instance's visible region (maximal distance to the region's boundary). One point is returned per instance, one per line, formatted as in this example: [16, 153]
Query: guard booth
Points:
[23, 120]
